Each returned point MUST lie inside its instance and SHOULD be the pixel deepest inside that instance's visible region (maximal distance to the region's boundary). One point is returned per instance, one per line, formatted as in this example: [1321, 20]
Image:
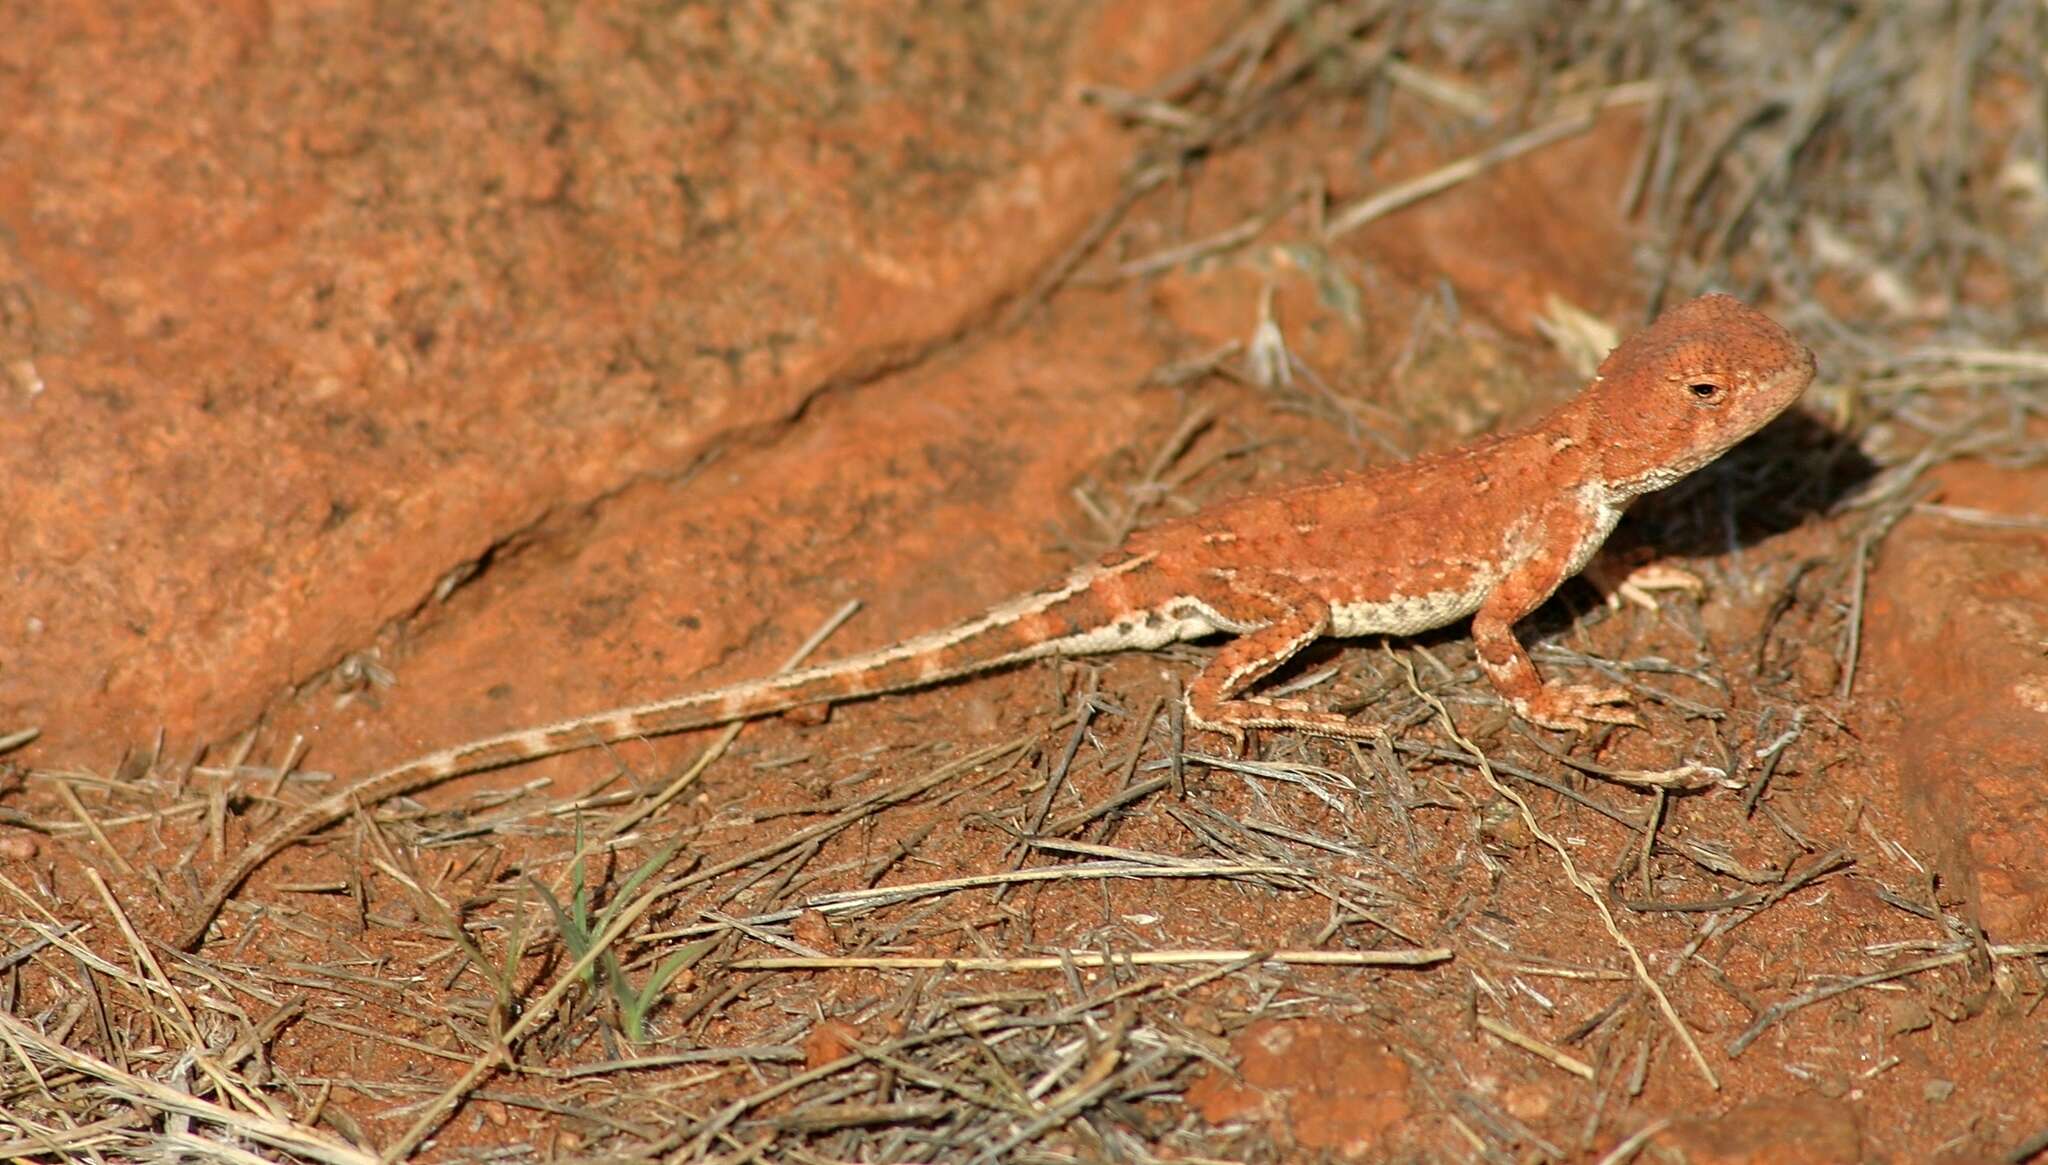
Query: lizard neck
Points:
[1568, 443]
[1581, 434]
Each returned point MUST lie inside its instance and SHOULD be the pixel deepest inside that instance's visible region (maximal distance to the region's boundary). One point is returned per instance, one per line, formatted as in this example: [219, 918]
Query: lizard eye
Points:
[1703, 390]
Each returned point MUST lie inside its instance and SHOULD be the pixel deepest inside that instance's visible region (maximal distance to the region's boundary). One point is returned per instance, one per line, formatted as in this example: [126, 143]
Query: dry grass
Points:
[1796, 152]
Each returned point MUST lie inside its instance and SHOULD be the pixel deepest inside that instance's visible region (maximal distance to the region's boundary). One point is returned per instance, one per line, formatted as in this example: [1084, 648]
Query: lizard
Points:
[1488, 530]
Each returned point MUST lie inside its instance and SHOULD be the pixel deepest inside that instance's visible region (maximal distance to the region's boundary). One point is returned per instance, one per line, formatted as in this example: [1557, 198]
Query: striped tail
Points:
[1068, 619]
[1087, 613]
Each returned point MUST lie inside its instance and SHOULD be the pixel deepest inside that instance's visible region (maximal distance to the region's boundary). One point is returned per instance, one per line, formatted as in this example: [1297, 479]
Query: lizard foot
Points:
[1643, 582]
[1569, 706]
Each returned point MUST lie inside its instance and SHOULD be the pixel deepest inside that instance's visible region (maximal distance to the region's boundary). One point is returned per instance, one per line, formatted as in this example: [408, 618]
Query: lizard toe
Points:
[1573, 706]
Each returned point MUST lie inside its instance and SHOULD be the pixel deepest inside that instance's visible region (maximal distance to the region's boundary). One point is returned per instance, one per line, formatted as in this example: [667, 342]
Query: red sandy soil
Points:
[546, 379]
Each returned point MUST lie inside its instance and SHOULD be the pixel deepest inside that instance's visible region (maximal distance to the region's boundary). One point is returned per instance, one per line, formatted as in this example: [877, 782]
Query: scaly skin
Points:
[1488, 530]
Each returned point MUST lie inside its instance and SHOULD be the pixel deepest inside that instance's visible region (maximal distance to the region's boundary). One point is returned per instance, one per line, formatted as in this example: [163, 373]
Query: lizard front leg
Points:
[1507, 663]
[1280, 617]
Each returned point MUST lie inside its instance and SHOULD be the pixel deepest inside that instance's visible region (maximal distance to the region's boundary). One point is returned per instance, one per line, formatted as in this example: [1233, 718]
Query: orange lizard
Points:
[1488, 530]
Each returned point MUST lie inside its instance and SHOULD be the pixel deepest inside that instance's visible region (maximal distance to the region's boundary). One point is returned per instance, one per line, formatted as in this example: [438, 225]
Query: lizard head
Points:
[1689, 387]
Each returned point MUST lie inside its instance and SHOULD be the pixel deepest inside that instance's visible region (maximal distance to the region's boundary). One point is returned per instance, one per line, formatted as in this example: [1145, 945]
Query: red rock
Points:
[1957, 615]
[353, 318]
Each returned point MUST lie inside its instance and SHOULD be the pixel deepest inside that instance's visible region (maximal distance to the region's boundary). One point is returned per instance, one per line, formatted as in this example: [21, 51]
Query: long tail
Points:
[1079, 616]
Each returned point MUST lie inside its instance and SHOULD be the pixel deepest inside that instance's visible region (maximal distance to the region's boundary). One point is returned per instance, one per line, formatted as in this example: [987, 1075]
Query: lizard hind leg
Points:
[1281, 618]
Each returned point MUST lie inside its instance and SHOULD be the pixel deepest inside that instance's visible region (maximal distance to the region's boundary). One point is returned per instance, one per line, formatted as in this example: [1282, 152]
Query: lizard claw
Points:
[1568, 706]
